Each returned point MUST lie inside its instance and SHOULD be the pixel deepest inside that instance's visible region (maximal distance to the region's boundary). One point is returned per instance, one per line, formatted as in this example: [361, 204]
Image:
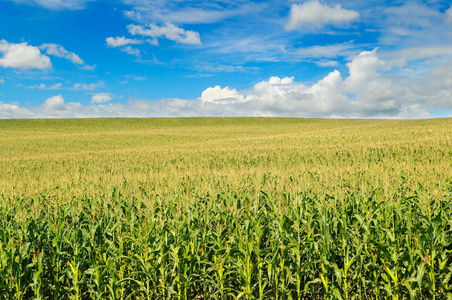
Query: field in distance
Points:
[225, 208]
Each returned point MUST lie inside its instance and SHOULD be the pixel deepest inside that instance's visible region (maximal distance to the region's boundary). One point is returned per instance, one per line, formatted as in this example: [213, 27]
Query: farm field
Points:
[225, 208]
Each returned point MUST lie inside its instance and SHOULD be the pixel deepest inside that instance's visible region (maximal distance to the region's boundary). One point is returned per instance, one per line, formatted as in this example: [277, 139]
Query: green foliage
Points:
[231, 247]
[225, 209]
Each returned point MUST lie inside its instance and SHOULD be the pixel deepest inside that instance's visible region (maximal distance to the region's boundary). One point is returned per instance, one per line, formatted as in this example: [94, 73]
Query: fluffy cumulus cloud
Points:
[168, 31]
[221, 95]
[56, 4]
[56, 107]
[12, 111]
[23, 56]
[367, 91]
[276, 80]
[316, 14]
[285, 97]
[54, 103]
[101, 98]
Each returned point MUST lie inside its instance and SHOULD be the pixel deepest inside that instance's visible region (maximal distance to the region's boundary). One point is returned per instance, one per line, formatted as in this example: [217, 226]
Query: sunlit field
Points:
[225, 208]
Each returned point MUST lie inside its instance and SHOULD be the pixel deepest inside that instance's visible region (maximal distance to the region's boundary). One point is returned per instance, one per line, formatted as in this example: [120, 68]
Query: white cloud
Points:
[42, 86]
[132, 51]
[276, 80]
[191, 12]
[169, 31]
[57, 4]
[449, 14]
[124, 44]
[326, 63]
[436, 90]
[412, 15]
[288, 98]
[12, 111]
[2, 81]
[411, 24]
[23, 56]
[56, 86]
[223, 96]
[59, 51]
[366, 92]
[56, 107]
[315, 14]
[121, 41]
[101, 98]
[207, 67]
[153, 42]
[54, 103]
[89, 68]
[365, 67]
[402, 56]
[87, 87]
[327, 51]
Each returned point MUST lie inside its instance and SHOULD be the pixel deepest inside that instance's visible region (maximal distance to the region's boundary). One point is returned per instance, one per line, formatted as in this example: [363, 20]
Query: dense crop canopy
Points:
[225, 209]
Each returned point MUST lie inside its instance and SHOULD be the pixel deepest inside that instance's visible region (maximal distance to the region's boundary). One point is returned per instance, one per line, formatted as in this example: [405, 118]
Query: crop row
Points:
[227, 246]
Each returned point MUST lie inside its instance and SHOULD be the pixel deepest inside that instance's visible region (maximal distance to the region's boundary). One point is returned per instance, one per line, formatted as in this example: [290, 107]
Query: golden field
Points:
[193, 157]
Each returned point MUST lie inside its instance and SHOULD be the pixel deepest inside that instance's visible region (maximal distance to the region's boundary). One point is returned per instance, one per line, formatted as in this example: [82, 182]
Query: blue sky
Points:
[163, 58]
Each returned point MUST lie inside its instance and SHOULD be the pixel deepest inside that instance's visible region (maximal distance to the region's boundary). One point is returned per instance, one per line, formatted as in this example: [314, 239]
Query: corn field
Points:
[242, 208]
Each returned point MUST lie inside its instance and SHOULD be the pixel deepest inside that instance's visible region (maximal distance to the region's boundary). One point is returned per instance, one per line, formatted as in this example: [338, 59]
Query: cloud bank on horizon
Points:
[173, 58]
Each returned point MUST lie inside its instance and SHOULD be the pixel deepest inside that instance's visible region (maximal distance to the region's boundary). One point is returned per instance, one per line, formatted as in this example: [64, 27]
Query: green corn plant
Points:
[75, 277]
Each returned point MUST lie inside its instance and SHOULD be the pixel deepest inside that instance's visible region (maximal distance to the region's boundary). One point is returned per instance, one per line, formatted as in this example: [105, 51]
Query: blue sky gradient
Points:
[161, 58]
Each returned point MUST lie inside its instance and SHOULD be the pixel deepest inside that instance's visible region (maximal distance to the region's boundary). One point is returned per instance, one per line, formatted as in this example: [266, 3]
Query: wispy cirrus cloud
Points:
[132, 51]
[327, 51]
[57, 4]
[43, 86]
[411, 24]
[218, 68]
[189, 11]
[59, 51]
[79, 86]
